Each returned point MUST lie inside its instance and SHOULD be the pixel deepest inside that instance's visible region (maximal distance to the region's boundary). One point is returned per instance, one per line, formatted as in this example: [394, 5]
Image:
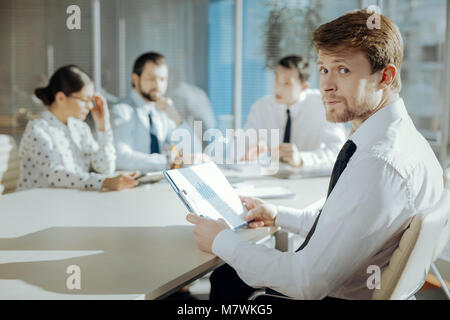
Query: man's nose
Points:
[160, 84]
[327, 84]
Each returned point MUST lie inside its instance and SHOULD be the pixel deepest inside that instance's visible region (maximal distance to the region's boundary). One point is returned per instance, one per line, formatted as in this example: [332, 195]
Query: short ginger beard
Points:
[346, 114]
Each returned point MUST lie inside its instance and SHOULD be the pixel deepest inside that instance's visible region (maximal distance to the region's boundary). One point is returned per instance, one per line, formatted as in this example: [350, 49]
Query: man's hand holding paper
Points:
[259, 214]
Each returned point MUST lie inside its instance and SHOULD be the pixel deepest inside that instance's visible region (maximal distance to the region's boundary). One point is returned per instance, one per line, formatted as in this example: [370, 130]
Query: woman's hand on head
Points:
[100, 112]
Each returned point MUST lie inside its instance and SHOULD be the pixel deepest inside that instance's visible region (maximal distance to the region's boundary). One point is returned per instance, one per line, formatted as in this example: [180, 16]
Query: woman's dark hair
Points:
[67, 79]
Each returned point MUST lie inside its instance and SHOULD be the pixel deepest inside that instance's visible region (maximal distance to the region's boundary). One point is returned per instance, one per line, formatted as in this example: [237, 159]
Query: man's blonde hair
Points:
[383, 45]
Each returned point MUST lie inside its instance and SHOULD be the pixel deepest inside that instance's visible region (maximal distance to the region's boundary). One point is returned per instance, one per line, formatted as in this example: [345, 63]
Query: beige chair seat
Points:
[419, 246]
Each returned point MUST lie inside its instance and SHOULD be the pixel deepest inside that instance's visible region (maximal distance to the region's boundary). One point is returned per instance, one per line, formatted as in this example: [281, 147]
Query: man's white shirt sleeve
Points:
[339, 245]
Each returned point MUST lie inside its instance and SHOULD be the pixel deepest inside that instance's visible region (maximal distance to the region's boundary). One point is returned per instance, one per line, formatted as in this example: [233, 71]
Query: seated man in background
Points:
[147, 120]
[306, 138]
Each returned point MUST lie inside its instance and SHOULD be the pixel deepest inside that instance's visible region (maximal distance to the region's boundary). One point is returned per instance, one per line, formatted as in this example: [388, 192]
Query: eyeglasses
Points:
[90, 101]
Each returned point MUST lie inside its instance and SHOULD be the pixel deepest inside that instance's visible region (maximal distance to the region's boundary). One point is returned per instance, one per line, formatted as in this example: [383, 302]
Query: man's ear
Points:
[134, 80]
[305, 85]
[388, 75]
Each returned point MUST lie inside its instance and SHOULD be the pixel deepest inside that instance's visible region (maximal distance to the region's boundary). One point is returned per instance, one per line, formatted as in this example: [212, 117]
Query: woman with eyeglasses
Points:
[58, 149]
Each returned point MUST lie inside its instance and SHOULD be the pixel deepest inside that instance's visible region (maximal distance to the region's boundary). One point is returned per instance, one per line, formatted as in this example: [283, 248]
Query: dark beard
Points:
[145, 95]
[148, 97]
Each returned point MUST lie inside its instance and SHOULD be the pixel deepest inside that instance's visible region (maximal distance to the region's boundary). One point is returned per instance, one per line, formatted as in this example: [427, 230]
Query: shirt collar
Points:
[50, 117]
[377, 124]
[297, 105]
[71, 122]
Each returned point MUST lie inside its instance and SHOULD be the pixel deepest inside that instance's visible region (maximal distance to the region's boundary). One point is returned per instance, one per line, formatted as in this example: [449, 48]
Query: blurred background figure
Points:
[147, 122]
[58, 149]
[193, 104]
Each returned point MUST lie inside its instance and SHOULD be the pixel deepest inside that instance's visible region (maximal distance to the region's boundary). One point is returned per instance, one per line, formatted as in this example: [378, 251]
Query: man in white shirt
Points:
[306, 139]
[147, 120]
[384, 175]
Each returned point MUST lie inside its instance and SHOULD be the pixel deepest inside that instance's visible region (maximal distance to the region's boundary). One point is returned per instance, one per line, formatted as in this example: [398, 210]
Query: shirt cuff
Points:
[307, 159]
[105, 137]
[95, 181]
[225, 244]
[289, 219]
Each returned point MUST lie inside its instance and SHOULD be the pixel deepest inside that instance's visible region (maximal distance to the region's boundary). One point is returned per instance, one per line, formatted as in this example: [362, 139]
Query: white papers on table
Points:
[151, 177]
[265, 192]
[248, 170]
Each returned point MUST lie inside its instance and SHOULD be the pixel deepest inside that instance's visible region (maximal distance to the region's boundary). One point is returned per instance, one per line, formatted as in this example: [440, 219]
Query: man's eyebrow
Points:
[319, 62]
[339, 61]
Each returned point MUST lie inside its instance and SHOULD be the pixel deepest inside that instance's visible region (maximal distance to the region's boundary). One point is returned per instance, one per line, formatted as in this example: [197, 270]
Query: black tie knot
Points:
[342, 160]
[347, 150]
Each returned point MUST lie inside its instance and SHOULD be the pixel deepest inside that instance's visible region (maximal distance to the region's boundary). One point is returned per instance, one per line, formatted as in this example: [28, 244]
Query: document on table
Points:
[284, 170]
[205, 191]
[150, 177]
[265, 192]
[276, 169]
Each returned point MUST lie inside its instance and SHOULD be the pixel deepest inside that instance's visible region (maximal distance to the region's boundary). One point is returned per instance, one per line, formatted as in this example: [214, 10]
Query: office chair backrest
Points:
[9, 164]
[418, 247]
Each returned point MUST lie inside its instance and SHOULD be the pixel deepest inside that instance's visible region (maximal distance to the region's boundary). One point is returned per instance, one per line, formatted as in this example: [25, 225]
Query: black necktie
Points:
[287, 130]
[154, 144]
[343, 157]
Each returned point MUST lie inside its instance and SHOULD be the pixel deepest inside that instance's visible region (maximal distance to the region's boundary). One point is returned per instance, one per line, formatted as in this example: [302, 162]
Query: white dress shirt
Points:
[55, 155]
[392, 176]
[131, 127]
[318, 140]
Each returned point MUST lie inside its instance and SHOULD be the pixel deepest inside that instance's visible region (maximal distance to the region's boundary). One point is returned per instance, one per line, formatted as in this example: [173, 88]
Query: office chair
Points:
[411, 261]
[418, 248]
[443, 242]
[9, 164]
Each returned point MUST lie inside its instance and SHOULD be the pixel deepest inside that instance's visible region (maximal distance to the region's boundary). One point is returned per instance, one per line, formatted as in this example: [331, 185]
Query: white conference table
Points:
[132, 244]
